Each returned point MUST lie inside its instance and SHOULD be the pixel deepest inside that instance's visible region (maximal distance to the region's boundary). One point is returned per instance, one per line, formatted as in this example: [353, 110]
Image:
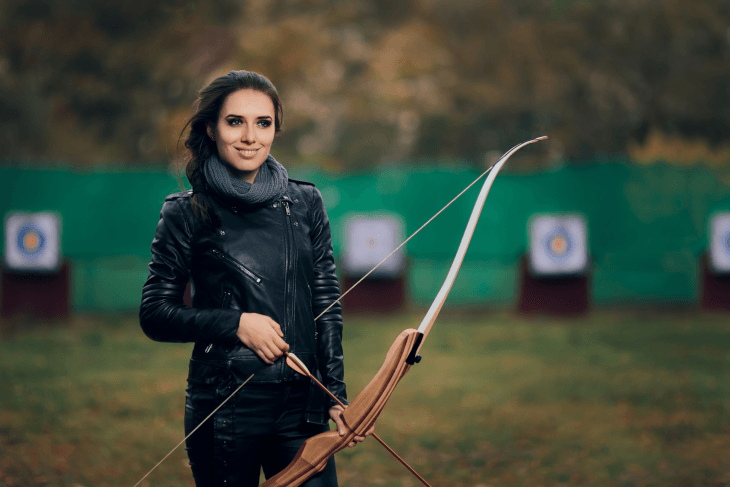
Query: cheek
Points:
[221, 144]
[268, 137]
[226, 134]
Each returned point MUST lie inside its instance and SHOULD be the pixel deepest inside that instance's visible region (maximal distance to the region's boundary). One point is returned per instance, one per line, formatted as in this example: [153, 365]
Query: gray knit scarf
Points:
[269, 185]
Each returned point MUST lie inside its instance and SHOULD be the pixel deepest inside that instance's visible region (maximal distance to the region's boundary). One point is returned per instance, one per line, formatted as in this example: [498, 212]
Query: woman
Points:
[257, 249]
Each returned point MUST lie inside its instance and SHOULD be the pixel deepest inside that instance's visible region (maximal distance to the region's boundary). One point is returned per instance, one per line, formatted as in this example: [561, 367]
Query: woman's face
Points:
[244, 132]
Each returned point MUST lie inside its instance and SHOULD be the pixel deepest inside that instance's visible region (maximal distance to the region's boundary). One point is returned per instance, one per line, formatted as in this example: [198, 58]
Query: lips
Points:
[247, 152]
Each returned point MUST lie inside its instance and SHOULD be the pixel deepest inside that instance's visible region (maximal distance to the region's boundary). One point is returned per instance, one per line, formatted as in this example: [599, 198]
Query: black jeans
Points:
[262, 426]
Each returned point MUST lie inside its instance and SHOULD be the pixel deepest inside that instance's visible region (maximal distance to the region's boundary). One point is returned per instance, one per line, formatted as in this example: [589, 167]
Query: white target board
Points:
[369, 240]
[33, 241]
[720, 243]
[558, 245]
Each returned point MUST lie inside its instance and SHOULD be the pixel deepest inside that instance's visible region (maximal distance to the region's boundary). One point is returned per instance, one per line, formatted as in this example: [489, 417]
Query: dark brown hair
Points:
[207, 109]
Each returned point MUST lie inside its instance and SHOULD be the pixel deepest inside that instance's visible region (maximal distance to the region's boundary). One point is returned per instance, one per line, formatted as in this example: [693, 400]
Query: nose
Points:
[249, 134]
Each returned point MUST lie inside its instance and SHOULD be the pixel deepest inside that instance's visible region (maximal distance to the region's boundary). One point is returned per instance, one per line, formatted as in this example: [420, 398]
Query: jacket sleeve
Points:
[163, 314]
[326, 290]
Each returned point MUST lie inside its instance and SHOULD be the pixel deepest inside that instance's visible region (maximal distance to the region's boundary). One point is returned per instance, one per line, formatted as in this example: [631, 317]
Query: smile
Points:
[248, 152]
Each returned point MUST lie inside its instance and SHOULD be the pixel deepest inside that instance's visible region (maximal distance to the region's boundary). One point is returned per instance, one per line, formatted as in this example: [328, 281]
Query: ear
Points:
[210, 131]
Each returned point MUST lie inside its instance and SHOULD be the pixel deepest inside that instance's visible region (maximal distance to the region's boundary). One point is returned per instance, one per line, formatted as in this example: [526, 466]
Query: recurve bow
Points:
[364, 410]
[361, 414]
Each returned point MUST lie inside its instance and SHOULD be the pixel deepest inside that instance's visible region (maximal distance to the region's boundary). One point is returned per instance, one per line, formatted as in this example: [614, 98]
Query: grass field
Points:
[619, 398]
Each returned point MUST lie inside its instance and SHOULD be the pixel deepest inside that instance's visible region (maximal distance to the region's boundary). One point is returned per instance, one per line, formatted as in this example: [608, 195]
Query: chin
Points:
[242, 169]
[246, 167]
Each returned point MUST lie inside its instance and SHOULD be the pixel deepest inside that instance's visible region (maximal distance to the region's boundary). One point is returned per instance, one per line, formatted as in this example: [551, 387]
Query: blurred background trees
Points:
[366, 82]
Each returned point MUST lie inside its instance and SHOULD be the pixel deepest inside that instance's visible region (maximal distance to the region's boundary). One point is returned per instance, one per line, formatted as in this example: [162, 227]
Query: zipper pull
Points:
[217, 254]
[207, 349]
[286, 205]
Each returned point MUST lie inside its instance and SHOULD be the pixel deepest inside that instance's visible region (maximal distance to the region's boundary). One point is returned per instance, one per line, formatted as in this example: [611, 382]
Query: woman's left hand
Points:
[336, 415]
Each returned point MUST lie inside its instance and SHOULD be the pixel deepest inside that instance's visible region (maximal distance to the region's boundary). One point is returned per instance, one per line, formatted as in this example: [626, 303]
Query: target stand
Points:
[35, 280]
[715, 265]
[554, 273]
[369, 239]
[374, 295]
[36, 295]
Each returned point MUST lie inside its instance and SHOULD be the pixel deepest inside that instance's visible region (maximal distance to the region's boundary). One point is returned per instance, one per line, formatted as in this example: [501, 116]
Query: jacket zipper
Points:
[289, 233]
[287, 259]
[224, 303]
[233, 262]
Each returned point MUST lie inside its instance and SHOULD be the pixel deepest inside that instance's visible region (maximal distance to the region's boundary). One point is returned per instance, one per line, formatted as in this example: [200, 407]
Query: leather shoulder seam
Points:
[298, 181]
[182, 194]
[188, 227]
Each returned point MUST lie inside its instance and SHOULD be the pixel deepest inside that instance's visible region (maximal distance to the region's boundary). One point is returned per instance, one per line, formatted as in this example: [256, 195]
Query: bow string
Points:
[414, 338]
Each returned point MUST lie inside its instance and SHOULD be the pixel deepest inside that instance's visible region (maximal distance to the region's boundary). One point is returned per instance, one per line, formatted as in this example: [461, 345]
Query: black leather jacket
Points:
[275, 260]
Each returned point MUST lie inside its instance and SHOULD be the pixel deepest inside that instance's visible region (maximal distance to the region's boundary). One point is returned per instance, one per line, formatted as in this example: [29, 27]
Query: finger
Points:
[281, 344]
[359, 438]
[274, 353]
[339, 424]
[351, 444]
[266, 355]
[276, 327]
[334, 411]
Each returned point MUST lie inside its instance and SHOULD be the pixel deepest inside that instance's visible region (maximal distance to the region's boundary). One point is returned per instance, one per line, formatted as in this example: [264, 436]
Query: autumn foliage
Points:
[371, 81]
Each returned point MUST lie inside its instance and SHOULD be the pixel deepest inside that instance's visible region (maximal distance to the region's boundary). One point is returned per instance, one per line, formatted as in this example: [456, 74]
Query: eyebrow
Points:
[241, 116]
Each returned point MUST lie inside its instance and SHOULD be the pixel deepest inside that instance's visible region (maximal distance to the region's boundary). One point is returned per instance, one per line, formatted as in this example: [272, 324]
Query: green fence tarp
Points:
[647, 225]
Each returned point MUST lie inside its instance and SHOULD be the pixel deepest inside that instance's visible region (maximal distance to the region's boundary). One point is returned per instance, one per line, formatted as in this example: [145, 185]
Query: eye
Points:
[234, 121]
[264, 123]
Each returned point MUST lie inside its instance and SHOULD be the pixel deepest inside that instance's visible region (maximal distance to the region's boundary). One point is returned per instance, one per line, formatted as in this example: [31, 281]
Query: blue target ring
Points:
[31, 241]
[558, 245]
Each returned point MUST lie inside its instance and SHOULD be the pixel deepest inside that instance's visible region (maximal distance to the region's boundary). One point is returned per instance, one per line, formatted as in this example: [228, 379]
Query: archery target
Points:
[32, 241]
[558, 245]
[720, 243]
[368, 241]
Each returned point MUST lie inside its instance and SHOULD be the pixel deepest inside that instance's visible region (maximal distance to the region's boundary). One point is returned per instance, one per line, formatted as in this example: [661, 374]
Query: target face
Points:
[32, 241]
[369, 240]
[719, 250]
[558, 245]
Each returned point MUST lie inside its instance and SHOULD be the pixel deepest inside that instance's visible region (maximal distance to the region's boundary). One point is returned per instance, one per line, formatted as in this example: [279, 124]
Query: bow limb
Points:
[438, 303]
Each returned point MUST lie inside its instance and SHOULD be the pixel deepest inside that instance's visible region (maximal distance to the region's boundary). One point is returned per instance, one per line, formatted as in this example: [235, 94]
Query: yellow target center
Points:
[558, 244]
[31, 240]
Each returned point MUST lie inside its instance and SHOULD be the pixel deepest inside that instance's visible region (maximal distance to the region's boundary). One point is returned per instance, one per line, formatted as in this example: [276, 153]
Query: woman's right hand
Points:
[262, 335]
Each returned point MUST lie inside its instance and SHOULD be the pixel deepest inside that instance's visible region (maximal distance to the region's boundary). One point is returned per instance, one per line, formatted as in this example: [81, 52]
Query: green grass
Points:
[617, 398]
